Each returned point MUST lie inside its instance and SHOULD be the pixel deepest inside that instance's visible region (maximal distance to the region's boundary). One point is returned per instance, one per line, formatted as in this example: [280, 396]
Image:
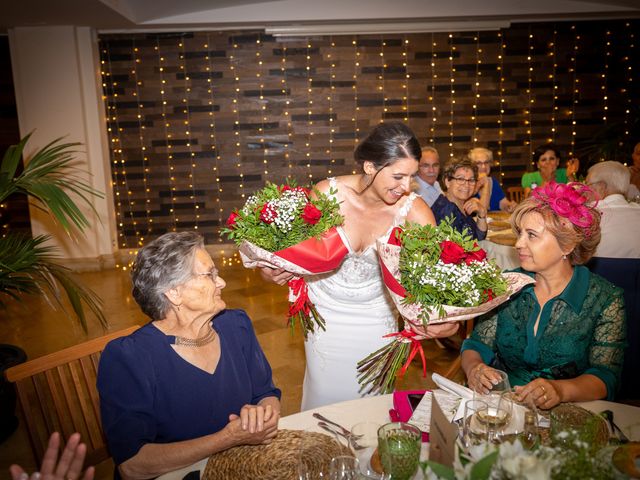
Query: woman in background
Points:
[489, 190]
[460, 177]
[547, 160]
[563, 338]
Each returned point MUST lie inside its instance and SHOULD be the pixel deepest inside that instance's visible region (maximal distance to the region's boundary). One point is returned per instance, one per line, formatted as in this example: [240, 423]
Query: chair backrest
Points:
[515, 194]
[57, 393]
[625, 273]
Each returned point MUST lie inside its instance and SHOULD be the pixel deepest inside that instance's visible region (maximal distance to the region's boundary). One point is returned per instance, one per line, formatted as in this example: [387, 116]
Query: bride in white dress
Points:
[353, 299]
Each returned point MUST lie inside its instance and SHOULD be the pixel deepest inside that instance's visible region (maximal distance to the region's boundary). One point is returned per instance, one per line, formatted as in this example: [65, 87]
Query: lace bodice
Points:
[358, 278]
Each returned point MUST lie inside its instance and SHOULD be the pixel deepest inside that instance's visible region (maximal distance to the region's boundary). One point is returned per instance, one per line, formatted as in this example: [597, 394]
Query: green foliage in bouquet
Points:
[442, 266]
[278, 217]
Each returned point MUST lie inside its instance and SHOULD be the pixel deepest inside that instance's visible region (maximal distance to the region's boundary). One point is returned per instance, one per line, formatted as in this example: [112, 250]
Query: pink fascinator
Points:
[572, 201]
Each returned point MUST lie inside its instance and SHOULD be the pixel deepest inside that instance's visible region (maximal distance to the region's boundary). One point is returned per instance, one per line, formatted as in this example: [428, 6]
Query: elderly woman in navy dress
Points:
[192, 382]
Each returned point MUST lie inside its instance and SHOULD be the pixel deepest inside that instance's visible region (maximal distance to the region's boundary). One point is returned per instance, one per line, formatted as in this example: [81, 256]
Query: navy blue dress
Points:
[443, 208]
[149, 394]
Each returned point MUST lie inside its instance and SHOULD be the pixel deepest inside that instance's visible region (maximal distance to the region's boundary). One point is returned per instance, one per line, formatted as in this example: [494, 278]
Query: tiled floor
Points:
[38, 329]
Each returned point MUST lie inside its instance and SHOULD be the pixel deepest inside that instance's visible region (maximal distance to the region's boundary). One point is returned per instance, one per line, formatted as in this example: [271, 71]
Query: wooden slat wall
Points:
[197, 121]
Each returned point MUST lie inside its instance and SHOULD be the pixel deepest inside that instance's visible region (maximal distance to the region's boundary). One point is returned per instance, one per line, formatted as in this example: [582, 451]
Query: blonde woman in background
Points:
[489, 190]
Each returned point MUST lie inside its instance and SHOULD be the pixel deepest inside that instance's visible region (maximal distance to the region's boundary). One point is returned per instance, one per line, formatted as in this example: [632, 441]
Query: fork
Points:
[351, 439]
[344, 431]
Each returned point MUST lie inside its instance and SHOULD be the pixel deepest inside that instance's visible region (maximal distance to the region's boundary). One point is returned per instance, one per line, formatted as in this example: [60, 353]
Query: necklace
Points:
[206, 339]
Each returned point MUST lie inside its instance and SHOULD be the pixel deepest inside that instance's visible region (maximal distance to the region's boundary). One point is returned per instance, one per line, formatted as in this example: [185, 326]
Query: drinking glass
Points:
[343, 467]
[523, 424]
[399, 446]
[474, 431]
[497, 417]
[364, 444]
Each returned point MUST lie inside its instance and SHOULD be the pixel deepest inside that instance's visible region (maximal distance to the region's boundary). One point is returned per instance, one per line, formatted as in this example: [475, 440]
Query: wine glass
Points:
[343, 467]
[473, 430]
[364, 444]
[523, 424]
[399, 445]
[493, 399]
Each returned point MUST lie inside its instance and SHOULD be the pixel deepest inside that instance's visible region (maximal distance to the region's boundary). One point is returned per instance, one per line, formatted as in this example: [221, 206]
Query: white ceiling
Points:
[112, 15]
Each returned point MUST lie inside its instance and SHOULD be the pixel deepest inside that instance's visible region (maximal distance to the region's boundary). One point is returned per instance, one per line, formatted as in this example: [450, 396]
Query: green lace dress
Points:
[581, 331]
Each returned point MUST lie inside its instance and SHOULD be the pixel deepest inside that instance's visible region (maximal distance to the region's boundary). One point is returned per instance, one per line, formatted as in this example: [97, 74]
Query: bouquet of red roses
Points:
[434, 275]
[287, 227]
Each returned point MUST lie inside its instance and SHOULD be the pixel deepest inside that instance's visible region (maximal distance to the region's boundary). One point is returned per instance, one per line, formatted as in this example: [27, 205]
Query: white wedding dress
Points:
[358, 313]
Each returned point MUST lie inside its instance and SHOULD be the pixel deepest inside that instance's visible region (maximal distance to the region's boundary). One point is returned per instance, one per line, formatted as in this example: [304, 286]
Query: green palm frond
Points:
[47, 177]
[27, 265]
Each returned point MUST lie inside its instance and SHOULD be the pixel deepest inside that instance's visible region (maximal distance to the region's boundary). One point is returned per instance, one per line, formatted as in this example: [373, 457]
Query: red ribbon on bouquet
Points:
[416, 347]
[301, 292]
[317, 255]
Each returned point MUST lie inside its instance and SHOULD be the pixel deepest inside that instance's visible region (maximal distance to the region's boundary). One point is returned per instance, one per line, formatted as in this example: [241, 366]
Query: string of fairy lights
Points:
[554, 85]
[152, 144]
[575, 91]
[530, 98]
[215, 149]
[501, 93]
[332, 130]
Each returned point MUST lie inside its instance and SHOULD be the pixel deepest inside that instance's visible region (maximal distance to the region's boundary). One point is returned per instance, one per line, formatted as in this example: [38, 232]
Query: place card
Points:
[442, 436]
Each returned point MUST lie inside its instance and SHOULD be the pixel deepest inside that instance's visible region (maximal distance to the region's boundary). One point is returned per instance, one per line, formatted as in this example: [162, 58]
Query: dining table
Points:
[376, 409]
[500, 241]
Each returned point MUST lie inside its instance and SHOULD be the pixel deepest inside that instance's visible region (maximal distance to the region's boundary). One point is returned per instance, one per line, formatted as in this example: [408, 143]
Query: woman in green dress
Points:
[563, 338]
[547, 160]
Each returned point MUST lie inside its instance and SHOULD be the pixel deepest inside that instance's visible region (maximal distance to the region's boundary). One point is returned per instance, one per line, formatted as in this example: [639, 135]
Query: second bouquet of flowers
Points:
[434, 275]
[284, 226]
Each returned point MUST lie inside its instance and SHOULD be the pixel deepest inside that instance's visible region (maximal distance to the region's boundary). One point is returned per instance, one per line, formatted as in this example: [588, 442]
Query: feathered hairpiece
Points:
[569, 201]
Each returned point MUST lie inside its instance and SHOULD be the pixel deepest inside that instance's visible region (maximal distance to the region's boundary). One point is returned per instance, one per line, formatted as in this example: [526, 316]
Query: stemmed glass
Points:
[522, 421]
[364, 444]
[473, 430]
[343, 467]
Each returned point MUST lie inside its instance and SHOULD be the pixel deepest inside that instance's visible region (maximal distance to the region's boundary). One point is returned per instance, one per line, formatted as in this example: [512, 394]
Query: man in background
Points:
[427, 179]
[620, 224]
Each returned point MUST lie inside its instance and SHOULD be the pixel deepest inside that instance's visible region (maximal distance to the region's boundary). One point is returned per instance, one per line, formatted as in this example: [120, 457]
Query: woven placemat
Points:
[277, 461]
[578, 417]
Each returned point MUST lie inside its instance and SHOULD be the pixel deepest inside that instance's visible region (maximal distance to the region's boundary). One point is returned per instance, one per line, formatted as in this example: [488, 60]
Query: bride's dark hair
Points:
[385, 144]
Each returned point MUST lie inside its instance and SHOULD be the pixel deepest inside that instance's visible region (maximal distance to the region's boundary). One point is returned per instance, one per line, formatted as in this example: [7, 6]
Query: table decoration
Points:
[294, 228]
[433, 275]
[278, 460]
[577, 449]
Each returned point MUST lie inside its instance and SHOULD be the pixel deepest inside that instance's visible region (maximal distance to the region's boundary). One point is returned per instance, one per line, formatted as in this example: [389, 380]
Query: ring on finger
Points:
[544, 396]
[544, 390]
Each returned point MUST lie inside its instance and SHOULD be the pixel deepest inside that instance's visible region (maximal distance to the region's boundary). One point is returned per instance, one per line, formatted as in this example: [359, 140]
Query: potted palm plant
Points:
[27, 264]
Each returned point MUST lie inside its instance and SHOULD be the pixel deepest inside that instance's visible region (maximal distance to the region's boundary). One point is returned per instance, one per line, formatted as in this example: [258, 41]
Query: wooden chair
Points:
[57, 393]
[515, 194]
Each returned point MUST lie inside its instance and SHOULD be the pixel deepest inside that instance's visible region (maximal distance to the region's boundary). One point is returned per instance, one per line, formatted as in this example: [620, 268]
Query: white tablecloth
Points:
[376, 409]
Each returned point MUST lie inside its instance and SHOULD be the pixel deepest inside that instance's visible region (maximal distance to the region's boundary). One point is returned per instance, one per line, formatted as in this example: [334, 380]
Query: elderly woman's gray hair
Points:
[480, 153]
[615, 175]
[161, 265]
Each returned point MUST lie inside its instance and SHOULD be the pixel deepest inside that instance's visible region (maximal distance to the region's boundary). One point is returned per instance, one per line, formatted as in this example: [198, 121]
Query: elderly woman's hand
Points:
[440, 330]
[482, 378]
[68, 468]
[255, 425]
[542, 392]
[276, 275]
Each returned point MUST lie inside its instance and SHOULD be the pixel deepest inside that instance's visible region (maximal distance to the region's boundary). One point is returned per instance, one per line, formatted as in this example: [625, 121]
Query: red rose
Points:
[490, 295]
[394, 238]
[268, 214]
[451, 252]
[478, 256]
[311, 214]
[231, 221]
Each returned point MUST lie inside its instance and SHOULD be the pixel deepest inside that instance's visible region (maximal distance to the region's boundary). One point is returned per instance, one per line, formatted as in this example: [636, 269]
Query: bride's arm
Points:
[420, 213]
